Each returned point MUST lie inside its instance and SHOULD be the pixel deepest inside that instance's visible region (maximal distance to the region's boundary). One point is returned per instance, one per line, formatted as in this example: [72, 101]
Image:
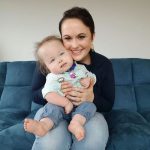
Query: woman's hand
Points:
[78, 95]
[66, 87]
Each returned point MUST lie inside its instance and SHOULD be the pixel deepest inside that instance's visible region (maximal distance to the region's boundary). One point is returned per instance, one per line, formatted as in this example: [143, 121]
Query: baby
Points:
[59, 66]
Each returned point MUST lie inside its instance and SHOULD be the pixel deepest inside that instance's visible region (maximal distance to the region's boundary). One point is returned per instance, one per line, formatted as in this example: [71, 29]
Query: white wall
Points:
[122, 26]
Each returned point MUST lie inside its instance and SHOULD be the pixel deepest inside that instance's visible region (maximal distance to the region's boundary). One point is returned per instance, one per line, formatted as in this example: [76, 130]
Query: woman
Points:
[77, 31]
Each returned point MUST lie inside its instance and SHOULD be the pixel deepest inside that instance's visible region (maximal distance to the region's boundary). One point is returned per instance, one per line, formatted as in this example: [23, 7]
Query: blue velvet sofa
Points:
[129, 121]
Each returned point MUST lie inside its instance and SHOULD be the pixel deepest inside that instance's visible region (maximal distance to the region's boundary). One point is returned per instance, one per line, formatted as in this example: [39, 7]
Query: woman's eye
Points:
[81, 37]
[67, 38]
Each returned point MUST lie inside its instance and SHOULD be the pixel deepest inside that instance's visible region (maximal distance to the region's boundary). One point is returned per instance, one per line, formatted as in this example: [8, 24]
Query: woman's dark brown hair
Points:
[81, 14]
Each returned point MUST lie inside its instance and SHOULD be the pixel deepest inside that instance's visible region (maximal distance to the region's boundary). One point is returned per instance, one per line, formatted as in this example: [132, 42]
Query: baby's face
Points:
[56, 57]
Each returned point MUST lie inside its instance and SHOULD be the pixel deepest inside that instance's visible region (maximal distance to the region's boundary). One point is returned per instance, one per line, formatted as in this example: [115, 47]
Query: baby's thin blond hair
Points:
[40, 61]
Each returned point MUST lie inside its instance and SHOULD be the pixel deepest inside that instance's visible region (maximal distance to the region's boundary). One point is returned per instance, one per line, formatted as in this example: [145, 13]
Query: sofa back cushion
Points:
[124, 88]
[17, 93]
[2, 76]
[132, 83]
[141, 79]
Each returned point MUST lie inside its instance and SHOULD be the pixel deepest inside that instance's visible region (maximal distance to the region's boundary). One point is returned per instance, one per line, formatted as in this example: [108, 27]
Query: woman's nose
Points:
[74, 43]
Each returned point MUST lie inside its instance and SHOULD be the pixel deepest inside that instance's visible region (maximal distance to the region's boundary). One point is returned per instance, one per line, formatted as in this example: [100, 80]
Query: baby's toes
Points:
[80, 136]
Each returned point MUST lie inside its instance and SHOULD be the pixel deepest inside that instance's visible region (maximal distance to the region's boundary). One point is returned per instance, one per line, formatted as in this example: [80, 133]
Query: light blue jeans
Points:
[60, 138]
[57, 113]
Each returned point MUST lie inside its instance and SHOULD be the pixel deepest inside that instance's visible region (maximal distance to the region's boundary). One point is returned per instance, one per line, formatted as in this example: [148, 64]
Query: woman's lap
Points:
[59, 138]
[96, 135]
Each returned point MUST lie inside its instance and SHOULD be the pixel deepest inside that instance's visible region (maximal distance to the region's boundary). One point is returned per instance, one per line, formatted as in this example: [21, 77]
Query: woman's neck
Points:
[86, 60]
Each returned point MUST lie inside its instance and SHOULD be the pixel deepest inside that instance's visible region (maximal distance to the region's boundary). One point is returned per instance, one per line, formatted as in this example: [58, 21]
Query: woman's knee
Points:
[97, 131]
[96, 136]
[57, 138]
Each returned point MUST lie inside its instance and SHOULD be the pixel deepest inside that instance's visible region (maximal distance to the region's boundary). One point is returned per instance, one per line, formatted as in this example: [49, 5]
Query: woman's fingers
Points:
[76, 103]
[92, 82]
[77, 89]
[65, 91]
[78, 95]
[66, 87]
[82, 93]
[73, 98]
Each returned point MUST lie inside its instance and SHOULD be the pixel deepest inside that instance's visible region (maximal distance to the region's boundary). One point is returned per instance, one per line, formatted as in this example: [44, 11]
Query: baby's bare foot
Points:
[38, 128]
[77, 129]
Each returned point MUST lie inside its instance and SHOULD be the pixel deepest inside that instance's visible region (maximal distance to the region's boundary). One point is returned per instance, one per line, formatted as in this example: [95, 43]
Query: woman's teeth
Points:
[76, 52]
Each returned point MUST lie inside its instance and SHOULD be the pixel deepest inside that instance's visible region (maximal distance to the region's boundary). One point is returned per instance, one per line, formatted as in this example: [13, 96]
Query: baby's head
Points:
[52, 56]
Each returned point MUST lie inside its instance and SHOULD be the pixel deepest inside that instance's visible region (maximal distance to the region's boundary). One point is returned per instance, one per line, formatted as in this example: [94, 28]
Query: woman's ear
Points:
[93, 36]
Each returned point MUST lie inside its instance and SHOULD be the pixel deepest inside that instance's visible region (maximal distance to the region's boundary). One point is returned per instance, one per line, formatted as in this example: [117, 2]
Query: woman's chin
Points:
[77, 57]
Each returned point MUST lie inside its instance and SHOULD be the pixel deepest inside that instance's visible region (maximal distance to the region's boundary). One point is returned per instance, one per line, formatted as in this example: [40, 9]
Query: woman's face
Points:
[78, 39]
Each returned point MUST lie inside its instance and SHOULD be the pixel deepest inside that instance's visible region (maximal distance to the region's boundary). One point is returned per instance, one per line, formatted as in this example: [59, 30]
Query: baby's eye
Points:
[62, 53]
[52, 60]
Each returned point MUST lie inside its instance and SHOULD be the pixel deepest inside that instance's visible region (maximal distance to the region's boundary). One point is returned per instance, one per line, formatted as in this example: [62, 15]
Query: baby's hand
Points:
[68, 107]
[85, 82]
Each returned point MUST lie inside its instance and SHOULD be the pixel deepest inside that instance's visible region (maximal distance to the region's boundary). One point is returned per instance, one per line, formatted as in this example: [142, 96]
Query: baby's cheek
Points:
[57, 70]
[54, 70]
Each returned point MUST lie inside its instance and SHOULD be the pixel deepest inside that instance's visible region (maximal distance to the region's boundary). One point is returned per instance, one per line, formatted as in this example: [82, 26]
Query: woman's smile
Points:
[76, 52]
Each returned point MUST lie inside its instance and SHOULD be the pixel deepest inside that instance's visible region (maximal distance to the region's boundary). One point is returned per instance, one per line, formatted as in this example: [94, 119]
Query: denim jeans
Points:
[60, 138]
[57, 113]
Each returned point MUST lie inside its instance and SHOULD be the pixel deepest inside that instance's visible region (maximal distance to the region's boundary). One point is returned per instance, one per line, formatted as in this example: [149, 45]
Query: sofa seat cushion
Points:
[129, 136]
[10, 117]
[16, 138]
[146, 115]
[116, 117]
[128, 130]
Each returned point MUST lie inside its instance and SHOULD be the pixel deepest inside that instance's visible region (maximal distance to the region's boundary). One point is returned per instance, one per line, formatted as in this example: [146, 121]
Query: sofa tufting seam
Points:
[15, 85]
[133, 83]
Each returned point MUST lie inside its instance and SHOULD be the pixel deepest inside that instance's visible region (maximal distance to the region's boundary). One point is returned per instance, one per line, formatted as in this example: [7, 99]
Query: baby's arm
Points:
[54, 98]
[50, 93]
